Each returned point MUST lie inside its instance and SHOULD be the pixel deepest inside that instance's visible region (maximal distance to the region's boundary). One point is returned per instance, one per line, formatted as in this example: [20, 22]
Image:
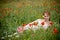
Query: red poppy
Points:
[55, 30]
[44, 4]
[53, 3]
[51, 23]
[42, 23]
[30, 25]
[24, 25]
[35, 23]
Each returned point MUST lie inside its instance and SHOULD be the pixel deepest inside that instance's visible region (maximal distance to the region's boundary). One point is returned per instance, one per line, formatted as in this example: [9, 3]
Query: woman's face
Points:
[46, 16]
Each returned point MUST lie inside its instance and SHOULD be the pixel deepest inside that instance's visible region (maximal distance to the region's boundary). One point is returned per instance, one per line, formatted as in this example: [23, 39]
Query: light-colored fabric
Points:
[39, 25]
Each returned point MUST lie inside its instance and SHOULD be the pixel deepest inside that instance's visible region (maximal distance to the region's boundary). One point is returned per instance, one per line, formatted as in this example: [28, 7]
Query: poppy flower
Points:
[24, 25]
[45, 4]
[51, 23]
[30, 25]
[35, 23]
[55, 30]
[42, 23]
[53, 3]
[20, 29]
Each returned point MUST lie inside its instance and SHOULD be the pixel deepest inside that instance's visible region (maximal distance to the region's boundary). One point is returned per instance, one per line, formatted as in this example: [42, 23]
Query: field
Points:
[17, 12]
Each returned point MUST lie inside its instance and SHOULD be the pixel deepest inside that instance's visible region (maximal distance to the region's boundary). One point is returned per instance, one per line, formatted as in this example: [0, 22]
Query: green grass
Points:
[17, 13]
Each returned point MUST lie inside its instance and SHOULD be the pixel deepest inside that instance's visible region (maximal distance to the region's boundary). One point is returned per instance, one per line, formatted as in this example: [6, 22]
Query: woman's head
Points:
[46, 13]
[46, 16]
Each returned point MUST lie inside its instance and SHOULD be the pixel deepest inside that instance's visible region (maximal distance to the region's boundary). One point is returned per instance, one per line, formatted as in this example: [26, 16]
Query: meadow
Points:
[18, 12]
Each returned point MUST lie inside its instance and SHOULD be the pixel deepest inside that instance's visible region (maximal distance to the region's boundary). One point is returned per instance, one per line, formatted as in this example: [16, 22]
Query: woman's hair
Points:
[48, 13]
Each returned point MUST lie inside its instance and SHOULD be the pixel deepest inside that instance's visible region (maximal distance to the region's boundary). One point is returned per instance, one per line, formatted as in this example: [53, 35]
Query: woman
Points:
[37, 24]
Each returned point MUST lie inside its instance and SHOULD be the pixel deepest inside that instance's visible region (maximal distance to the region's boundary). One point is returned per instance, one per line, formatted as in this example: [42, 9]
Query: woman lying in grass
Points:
[37, 24]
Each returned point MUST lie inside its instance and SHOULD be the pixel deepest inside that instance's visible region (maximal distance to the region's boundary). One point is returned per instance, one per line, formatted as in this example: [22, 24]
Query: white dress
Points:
[38, 26]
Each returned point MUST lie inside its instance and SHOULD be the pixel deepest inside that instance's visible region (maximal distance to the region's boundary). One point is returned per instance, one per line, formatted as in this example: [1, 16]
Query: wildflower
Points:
[55, 30]
[44, 4]
[51, 23]
[30, 25]
[35, 23]
[42, 23]
[24, 25]
[20, 29]
[53, 3]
